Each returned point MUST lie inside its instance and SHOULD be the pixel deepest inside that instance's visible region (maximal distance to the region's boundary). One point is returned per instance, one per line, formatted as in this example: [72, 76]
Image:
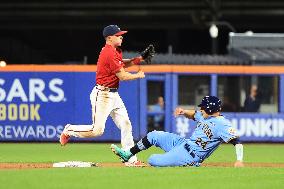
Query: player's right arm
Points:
[125, 76]
[187, 113]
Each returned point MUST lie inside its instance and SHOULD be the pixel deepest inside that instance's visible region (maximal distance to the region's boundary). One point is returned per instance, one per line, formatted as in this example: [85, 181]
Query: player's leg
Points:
[178, 156]
[166, 141]
[120, 117]
[102, 103]
[122, 121]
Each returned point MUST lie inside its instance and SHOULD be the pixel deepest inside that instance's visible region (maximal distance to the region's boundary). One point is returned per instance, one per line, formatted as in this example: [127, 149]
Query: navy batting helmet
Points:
[210, 104]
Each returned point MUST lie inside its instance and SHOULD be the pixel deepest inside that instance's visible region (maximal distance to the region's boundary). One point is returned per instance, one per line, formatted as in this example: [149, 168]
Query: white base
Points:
[74, 164]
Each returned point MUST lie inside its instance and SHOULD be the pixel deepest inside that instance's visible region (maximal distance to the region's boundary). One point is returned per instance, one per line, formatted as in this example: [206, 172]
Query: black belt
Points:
[187, 147]
[113, 90]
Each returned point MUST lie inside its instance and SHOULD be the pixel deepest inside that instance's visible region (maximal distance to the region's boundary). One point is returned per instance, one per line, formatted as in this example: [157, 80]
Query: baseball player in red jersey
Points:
[104, 97]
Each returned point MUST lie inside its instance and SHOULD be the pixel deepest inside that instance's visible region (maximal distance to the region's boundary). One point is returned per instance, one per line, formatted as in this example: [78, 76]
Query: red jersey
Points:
[109, 63]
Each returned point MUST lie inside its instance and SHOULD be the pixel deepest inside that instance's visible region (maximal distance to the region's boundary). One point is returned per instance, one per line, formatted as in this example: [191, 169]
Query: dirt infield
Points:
[49, 165]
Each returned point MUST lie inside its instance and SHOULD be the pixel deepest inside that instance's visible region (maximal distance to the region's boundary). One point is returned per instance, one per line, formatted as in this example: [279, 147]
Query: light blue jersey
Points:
[209, 134]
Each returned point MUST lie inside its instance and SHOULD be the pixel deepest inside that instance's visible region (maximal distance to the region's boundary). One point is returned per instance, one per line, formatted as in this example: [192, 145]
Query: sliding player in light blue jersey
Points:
[212, 129]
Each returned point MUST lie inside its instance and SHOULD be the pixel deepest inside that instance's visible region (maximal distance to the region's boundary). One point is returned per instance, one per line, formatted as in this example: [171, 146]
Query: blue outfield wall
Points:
[34, 106]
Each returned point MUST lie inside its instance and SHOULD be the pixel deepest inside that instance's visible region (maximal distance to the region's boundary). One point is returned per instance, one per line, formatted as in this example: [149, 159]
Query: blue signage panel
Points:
[35, 106]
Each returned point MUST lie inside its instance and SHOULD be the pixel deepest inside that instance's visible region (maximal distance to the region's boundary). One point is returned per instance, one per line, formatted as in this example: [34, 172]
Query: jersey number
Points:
[201, 143]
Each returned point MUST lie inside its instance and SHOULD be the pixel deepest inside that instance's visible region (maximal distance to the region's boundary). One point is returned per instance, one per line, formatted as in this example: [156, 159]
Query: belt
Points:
[103, 88]
[187, 147]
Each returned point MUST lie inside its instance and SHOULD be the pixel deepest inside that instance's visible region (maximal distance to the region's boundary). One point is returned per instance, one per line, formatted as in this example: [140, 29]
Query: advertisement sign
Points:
[36, 106]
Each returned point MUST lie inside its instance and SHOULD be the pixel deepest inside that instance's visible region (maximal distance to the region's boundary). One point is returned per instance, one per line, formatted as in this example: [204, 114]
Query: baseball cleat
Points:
[135, 164]
[123, 155]
[63, 137]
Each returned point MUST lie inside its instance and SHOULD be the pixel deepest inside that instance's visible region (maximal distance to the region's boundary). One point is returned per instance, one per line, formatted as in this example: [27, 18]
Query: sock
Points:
[143, 144]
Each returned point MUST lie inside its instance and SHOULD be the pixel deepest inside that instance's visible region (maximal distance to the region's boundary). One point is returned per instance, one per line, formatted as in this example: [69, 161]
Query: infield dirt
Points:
[49, 165]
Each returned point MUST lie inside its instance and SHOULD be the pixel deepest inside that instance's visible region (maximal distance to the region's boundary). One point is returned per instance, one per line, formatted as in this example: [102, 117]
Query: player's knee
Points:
[153, 136]
[98, 131]
[127, 125]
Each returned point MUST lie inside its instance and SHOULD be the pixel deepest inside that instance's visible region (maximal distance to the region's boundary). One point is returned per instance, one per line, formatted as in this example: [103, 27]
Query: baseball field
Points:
[27, 165]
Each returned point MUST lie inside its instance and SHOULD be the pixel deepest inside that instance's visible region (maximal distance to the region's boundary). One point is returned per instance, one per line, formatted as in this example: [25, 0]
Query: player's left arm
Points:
[132, 61]
[239, 151]
[186, 113]
[145, 56]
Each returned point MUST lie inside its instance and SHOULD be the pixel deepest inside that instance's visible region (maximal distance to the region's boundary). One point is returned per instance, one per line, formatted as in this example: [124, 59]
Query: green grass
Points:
[179, 177]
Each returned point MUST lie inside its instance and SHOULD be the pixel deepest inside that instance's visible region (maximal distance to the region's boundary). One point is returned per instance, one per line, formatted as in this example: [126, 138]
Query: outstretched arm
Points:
[146, 56]
[187, 113]
[239, 152]
[132, 61]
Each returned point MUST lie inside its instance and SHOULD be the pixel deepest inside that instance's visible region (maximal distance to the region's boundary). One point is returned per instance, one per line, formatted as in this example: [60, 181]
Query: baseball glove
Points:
[148, 54]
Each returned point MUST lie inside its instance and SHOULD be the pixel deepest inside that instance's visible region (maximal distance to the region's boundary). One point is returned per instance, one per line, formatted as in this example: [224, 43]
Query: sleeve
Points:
[115, 63]
[227, 133]
[197, 115]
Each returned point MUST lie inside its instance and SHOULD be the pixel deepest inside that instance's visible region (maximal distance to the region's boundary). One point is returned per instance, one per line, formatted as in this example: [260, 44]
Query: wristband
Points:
[239, 152]
[136, 60]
